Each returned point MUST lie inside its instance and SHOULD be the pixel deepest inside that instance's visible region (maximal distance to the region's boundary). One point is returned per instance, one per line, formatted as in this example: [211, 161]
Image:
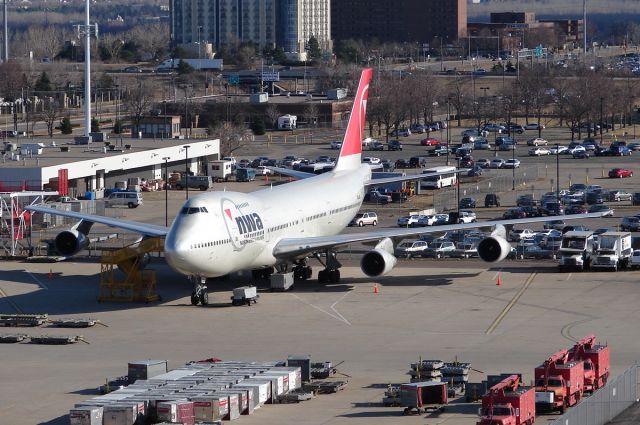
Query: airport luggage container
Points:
[253, 395]
[295, 376]
[235, 403]
[210, 407]
[89, 415]
[304, 363]
[264, 389]
[419, 397]
[121, 414]
[178, 411]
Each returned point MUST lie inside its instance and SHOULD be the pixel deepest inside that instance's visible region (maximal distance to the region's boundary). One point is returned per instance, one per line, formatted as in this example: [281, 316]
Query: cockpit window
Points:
[193, 210]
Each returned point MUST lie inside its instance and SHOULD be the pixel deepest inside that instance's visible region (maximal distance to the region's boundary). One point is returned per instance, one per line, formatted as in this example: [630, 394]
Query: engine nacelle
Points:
[493, 249]
[377, 262]
[70, 242]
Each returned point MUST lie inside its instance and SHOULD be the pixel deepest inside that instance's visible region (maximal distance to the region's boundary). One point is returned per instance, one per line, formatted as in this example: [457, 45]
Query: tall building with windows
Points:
[299, 20]
[224, 22]
[398, 20]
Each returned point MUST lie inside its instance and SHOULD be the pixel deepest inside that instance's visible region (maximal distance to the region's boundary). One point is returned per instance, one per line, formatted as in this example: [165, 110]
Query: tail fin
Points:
[351, 152]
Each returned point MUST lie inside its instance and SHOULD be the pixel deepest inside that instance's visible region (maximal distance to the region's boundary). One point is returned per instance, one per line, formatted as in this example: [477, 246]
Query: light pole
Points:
[558, 172]
[601, 137]
[6, 33]
[448, 126]
[513, 171]
[166, 190]
[199, 43]
[186, 170]
[458, 187]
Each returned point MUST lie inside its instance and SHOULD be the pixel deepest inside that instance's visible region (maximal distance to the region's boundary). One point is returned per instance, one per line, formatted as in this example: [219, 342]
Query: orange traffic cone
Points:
[499, 281]
[375, 288]
[50, 274]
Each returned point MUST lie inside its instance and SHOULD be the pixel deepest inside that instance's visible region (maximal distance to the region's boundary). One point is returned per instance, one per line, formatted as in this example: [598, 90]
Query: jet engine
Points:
[380, 260]
[493, 249]
[70, 242]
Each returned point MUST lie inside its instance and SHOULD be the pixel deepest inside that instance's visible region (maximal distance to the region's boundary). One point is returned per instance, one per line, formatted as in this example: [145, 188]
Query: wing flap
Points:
[134, 226]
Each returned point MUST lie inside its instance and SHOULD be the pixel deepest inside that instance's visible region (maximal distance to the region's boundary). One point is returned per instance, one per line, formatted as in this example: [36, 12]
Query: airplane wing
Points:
[387, 180]
[295, 247]
[141, 228]
[293, 173]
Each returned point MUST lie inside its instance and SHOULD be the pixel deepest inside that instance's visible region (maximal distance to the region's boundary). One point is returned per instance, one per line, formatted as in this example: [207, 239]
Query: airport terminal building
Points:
[73, 169]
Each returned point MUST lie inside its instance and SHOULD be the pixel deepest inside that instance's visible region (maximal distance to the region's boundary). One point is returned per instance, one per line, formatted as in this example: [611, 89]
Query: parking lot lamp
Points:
[513, 170]
[558, 172]
[458, 187]
[186, 170]
[601, 100]
[448, 127]
[166, 190]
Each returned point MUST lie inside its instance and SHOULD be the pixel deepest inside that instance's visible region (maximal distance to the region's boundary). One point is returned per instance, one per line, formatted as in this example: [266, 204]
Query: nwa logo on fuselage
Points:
[248, 223]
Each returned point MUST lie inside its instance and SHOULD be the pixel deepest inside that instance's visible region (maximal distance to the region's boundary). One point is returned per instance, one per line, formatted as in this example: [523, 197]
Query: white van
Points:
[130, 199]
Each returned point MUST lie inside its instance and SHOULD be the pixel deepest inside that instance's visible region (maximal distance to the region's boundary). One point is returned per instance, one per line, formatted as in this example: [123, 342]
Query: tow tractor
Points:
[508, 403]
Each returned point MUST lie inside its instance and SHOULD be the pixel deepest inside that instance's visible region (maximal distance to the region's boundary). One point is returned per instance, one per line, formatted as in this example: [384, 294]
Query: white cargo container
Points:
[210, 407]
[287, 122]
[264, 389]
[220, 170]
[295, 376]
[277, 382]
[90, 415]
[234, 403]
[253, 393]
[614, 251]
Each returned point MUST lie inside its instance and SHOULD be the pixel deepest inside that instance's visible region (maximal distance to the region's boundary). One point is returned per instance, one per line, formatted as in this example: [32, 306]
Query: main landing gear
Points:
[199, 294]
[302, 271]
[331, 272]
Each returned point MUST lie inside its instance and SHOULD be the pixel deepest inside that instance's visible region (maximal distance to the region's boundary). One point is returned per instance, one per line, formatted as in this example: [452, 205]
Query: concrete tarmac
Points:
[431, 309]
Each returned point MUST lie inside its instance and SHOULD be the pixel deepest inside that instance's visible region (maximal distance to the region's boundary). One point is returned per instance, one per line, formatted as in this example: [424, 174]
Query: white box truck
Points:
[576, 250]
[287, 122]
[613, 252]
[220, 170]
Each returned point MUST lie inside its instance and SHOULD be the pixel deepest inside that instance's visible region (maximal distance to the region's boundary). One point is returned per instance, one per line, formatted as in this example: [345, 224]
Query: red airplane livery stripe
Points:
[228, 212]
[352, 143]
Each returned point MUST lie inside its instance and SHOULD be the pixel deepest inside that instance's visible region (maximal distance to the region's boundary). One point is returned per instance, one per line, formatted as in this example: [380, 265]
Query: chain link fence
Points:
[605, 404]
[525, 179]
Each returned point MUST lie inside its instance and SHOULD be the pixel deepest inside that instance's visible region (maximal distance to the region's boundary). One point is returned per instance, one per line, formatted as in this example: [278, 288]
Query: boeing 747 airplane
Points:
[218, 233]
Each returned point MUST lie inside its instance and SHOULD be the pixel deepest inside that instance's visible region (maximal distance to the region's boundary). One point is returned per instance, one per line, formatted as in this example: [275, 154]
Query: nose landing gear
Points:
[199, 294]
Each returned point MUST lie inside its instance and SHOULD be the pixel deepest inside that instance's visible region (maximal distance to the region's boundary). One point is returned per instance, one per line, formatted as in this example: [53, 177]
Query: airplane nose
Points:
[176, 252]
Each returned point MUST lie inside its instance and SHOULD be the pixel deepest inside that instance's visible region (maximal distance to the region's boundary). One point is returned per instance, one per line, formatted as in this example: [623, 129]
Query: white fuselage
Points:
[217, 233]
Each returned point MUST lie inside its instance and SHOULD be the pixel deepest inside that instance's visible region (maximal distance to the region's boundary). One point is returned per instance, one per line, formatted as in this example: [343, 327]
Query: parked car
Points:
[491, 200]
[336, 144]
[516, 235]
[467, 203]
[532, 211]
[467, 162]
[409, 220]
[619, 195]
[439, 249]
[537, 141]
[371, 160]
[364, 219]
[483, 163]
[494, 128]
[533, 252]
[427, 220]
[439, 150]
[630, 224]
[619, 150]
[411, 248]
[418, 129]
[539, 152]
[481, 143]
[581, 154]
[534, 126]
[573, 150]
[496, 163]
[594, 198]
[402, 163]
[430, 141]
[575, 209]
[558, 150]
[554, 225]
[601, 208]
[513, 213]
[511, 163]
[635, 146]
[475, 171]
[516, 128]
[525, 200]
[394, 145]
[376, 145]
[401, 132]
[618, 173]
[417, 162]
[553, 208]
[636, 198]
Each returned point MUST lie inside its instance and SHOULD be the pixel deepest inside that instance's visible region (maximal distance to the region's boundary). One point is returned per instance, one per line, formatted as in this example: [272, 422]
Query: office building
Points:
[398, 20]
[299, 20]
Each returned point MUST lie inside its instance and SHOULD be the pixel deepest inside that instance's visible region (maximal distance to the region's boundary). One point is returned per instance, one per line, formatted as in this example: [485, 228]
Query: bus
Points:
[438, 182]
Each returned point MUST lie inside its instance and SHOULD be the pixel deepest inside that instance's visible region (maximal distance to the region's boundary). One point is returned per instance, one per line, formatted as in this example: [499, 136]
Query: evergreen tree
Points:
[314, 48]
[117, 127]
[95, 125]
[258, 127]
[184, 68]
[65, 125]
[43, 85]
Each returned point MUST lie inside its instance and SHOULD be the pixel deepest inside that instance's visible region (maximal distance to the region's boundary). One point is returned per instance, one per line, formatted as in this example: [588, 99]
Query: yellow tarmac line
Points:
[509, 306]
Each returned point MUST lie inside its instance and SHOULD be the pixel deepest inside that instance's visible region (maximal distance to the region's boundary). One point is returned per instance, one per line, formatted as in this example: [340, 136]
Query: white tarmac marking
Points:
[569, 277]
[339, 317]
[336, 311]
[38, 281]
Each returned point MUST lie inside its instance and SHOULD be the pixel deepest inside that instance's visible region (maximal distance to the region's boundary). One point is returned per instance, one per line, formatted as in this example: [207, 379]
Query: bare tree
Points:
[232, 136]
[458, 96]
[113, 44]
[137, 102]
[152, 39]
[12, 80]
[311, 113]
[272, 114]
[50, 115]
[534, 92]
